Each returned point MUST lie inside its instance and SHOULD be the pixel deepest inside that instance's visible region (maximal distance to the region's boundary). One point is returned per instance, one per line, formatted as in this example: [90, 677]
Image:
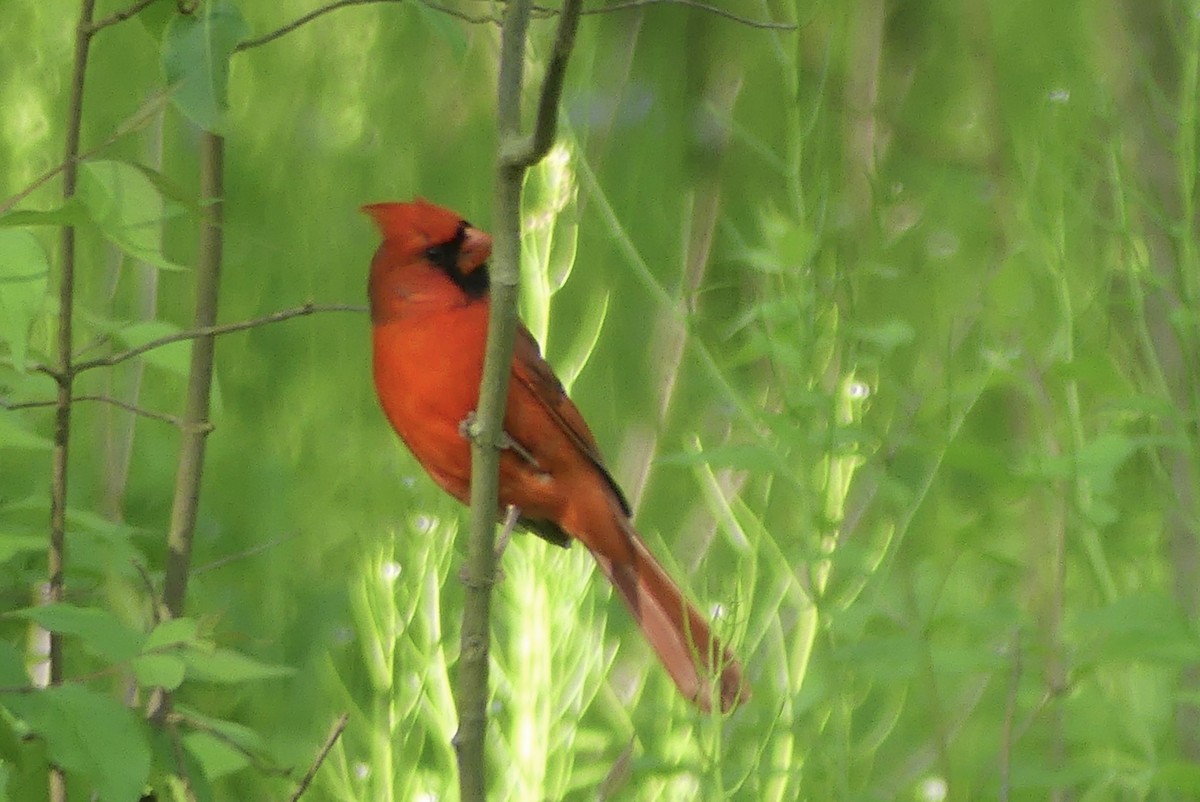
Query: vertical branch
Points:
[515, 154]
[480, 568]
[195, 415]
[57, 557]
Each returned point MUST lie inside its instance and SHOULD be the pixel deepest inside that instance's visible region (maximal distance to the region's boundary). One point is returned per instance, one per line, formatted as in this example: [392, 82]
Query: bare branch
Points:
[120, 16]
[483, 19]
[538, 144]
[209, 331]
[720, 12]
[1010, 715]
[229, 559]
[256, 760]
[133, 123]
[160, 612]
[136, 410]
[487, 19]
[103, 399]
[334, 733]
[304, 20]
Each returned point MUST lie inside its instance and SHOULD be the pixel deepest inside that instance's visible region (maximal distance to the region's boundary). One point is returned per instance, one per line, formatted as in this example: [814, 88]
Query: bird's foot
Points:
[469, 428]
[511, 516]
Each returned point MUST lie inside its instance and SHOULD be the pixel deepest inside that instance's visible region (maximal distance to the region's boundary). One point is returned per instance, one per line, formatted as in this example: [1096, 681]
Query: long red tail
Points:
[679, 634]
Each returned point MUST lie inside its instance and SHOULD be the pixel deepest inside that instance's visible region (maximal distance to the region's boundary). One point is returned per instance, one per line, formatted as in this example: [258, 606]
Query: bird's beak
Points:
[476, 248]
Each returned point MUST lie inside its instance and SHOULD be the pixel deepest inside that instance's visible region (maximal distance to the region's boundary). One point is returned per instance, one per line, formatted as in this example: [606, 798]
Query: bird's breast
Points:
[427, 371]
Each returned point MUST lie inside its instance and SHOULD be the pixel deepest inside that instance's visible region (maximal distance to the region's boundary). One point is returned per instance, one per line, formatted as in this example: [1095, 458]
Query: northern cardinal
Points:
[429, 312]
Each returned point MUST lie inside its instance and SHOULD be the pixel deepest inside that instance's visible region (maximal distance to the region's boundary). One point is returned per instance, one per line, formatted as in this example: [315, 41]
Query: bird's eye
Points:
[443, 255]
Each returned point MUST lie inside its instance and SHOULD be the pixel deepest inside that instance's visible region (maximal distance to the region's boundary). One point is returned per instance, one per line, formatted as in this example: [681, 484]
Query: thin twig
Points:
[253, 758]
[473, 19]
[545, 11]
[120, 16]
[208, 331]
[133, 123]
[541, 11]
[334, 733]
[1010, 716]
[156, 604]
[103, 399]
[229, 559]
[533, 148]
[720, 12]
[303, 20]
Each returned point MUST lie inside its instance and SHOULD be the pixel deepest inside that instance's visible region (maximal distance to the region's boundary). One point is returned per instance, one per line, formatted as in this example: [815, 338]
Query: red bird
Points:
[429, 314]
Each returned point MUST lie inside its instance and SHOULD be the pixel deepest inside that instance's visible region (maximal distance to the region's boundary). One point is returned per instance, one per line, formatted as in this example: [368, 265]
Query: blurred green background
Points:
[887, 323]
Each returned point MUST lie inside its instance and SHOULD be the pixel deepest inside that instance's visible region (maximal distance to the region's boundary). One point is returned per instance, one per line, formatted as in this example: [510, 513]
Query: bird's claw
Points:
[511, 516]
[469, 429]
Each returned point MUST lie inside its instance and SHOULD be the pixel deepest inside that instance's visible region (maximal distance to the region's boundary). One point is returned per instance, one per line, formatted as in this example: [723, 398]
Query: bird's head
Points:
[428, 254]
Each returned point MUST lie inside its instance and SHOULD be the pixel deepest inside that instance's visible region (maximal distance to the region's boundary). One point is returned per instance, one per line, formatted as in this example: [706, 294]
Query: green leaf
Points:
[173, 358]
[196, 51]
[92, 735]
[217, 757]
[101, 546]
[70, 213]
[225, 665]
[31, 385]
[587, 334]
[449, 31]
[15, 433]
[13, 545]
[1179, 777]
[159, 670]
[747, 457]
[885, 336]
[172, 632]
[128, 209]
[221, 746]
[12, 730]
[887, 658]
[162, 663]
[1146, 627]
[101, 633]
[24, 277]
[1100, 459]
[166, 781]
[12, 666]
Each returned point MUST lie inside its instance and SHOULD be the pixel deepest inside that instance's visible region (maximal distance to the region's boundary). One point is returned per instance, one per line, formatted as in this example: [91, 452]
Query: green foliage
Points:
[91, 734]
[887, 324]
[195, 58]
[24, 274]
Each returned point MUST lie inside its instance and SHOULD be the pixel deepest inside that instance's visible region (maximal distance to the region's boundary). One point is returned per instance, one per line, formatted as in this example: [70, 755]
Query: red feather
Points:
[429, 309]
